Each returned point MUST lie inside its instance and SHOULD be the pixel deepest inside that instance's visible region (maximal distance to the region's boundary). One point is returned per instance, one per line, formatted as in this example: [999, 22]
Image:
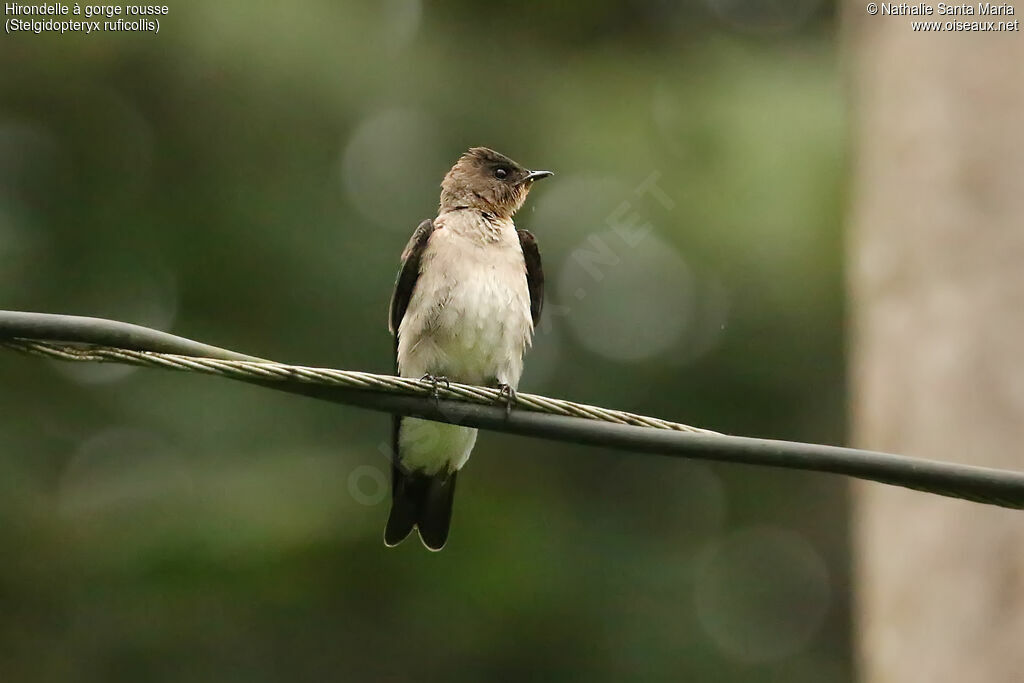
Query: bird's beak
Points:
[536, 175]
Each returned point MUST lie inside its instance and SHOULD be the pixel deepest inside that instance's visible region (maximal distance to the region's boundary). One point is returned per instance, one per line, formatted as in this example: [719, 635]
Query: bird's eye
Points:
[501, 173]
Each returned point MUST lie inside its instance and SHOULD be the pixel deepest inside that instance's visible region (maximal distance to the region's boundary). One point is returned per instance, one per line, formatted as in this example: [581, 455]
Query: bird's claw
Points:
[509, 394]
[435, 381]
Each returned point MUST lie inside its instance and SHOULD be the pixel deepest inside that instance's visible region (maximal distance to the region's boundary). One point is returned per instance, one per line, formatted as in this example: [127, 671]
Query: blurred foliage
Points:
[248, 177]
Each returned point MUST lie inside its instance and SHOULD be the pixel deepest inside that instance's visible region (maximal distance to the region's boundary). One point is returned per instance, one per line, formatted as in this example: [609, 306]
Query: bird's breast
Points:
[469, 315]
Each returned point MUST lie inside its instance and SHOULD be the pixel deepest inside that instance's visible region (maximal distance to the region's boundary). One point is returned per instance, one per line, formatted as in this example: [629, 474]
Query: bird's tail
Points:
[422, 501]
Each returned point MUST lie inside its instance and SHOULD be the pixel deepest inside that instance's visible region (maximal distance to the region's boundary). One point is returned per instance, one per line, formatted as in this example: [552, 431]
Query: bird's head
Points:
[486, 180]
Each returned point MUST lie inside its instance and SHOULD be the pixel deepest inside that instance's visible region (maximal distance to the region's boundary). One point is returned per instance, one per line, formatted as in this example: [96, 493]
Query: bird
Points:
[467, 298]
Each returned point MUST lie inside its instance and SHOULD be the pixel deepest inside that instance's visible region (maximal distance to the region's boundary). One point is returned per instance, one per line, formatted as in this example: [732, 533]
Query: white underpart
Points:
[468, 320]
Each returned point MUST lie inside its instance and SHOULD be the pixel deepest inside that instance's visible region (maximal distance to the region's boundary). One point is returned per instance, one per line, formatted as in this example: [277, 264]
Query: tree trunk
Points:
[936, 274]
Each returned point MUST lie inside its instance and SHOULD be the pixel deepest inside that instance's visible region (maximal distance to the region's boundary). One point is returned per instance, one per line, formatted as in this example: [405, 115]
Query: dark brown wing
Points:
[534, 272]
[405, 283]
[406, 492]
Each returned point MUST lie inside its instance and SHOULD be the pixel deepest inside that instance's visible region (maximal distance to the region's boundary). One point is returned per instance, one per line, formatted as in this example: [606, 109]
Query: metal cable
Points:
[536, 416]
[279, 372]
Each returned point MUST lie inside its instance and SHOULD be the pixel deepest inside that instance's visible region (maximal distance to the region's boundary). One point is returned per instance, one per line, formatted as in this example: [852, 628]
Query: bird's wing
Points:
[405, 283]
[417, 500]
[534, 272]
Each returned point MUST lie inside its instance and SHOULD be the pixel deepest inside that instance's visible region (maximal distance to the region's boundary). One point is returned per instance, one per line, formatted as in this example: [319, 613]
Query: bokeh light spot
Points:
[761, 594]
[627, 303]
[133, 291]
[121, 468]
[389, 164]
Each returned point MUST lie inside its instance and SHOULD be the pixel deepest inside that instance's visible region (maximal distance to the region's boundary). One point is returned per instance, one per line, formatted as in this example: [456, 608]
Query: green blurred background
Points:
[249, 176]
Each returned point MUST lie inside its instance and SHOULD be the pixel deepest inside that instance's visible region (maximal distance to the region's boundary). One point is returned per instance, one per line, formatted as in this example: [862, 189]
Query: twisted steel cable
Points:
[270, 371]
[62, 337]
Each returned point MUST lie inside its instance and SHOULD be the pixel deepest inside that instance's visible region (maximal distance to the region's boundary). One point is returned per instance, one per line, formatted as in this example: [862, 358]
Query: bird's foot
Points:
[435, 381]
[507, 393]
